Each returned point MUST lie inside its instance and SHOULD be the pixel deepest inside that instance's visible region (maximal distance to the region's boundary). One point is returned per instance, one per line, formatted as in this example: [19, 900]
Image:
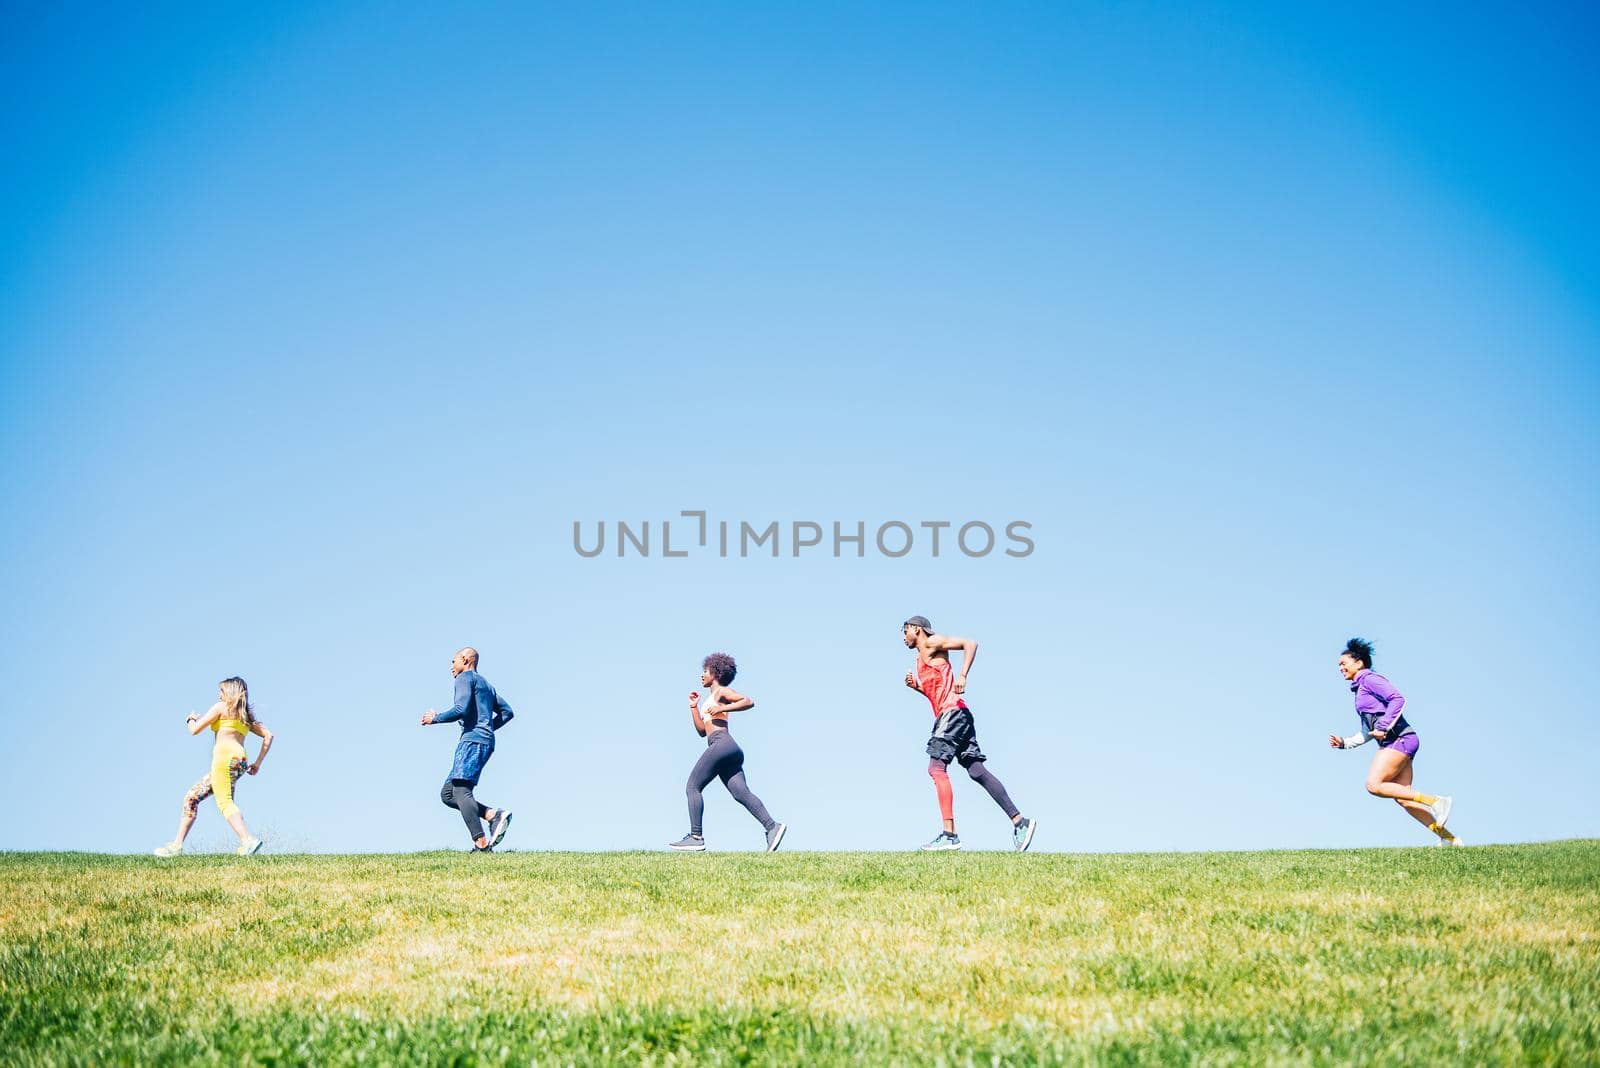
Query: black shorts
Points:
[955, 738]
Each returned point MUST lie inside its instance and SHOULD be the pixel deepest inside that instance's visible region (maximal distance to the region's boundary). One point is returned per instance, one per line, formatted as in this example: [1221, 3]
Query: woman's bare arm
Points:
[259, 728]
[729, 700]
[198, 724]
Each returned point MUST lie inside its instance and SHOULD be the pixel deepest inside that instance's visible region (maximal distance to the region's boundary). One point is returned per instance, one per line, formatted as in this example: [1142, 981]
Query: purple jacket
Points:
[1379, 705]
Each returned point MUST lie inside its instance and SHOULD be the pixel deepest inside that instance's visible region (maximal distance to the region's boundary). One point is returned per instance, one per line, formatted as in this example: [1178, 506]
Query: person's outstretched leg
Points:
[191, 803]
[1390, 776]
[730, 769]
[1022, 828]
[938, 771]
[224, 774]
[740, 789]
[1427, 815]
[191, 806]
[952, 736]
[470, 759]
[451, 795]
[471, 812]
[700, 776]
[978, 770]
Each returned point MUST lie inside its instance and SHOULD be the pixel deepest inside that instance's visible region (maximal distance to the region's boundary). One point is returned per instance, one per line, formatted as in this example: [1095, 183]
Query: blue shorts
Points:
[470, 758]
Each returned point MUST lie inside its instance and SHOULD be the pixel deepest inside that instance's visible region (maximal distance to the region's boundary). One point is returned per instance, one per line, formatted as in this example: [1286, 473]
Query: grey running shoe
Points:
[498, 828]
[775, 836]
[944, 843]
[1022, 834]
[1441, 809]
[689, 843]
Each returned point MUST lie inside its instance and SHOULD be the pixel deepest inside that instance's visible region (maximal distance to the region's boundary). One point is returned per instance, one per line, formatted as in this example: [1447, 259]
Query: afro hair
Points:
[722, 667]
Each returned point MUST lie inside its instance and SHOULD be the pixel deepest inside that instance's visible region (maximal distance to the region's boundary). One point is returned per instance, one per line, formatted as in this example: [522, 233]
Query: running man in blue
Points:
[480, 712]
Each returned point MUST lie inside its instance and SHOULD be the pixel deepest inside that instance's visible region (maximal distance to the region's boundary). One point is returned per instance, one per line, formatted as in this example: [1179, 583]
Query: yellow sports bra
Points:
[238, 726]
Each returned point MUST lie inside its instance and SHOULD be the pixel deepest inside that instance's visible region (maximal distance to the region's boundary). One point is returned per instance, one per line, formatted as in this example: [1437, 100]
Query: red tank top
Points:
[938, 682]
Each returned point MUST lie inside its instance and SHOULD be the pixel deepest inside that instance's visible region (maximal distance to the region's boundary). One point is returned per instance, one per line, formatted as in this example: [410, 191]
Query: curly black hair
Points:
[1359, 649]
[722, 667]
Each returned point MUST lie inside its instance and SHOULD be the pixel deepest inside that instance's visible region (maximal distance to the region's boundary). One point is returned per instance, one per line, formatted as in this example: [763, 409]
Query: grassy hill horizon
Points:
[1485, 955]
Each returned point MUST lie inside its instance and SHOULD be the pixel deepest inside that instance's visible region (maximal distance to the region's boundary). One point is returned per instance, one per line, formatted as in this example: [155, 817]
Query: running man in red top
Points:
[954, 736]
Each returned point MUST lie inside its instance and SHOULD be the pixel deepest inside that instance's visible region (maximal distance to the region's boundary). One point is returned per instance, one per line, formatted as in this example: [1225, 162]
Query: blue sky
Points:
[320, 325]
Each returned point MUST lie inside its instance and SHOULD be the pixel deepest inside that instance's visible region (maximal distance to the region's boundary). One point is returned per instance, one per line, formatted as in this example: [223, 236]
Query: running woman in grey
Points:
[723, 759]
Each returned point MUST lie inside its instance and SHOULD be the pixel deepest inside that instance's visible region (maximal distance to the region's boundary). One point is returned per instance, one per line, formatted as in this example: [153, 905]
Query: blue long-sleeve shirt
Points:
[474, 708]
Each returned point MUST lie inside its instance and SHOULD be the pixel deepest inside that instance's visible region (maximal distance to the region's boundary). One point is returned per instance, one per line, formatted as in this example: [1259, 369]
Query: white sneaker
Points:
[1441, 809]
[249, 847]
[171, 849]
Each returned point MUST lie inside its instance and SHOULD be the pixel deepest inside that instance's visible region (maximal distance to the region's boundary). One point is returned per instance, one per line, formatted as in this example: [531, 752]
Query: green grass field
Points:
[1377, 956]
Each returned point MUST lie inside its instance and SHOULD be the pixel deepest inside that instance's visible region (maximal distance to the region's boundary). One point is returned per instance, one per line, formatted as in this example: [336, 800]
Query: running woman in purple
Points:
[1380, 707]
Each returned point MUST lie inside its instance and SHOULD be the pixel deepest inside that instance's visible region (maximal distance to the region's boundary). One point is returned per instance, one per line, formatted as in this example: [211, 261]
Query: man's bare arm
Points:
[969, 652]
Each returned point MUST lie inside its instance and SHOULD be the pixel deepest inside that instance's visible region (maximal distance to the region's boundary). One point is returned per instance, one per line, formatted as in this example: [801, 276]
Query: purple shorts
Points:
[1406, 743]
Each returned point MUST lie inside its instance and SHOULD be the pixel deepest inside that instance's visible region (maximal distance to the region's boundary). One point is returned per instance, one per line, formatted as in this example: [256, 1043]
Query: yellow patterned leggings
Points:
[227, 764]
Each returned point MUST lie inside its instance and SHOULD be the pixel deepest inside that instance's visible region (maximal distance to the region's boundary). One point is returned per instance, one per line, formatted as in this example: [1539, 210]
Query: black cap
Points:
[918, 621]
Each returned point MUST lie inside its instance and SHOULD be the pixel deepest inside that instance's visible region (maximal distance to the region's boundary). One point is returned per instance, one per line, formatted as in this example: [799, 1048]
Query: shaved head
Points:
[466, 659]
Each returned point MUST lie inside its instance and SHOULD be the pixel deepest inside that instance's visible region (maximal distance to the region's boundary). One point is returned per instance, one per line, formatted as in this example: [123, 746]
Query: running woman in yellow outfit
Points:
[231, 718]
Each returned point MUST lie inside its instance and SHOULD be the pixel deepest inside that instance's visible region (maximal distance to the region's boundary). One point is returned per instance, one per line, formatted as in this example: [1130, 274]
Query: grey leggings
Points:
[457, 794]
[723, 759]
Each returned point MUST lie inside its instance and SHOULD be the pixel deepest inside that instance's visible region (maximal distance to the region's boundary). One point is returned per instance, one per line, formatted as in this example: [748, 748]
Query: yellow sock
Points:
[1440, 831]
[1425, 799]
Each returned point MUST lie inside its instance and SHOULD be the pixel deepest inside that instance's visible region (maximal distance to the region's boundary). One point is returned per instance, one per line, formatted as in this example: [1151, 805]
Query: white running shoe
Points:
[249, 847]
[171, 849]
[1441, 809]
